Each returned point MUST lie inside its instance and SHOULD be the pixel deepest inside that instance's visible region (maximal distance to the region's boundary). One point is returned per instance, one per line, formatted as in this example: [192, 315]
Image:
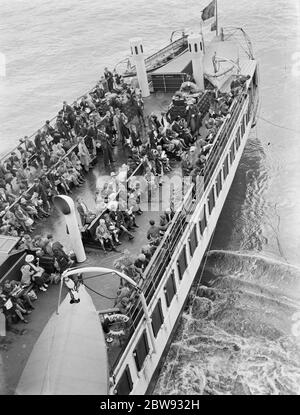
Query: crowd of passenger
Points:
[45, 261]
[60, 155]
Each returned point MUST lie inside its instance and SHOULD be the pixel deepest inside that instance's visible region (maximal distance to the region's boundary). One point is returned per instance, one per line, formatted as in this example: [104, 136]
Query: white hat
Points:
[29, 258]
[113, 174]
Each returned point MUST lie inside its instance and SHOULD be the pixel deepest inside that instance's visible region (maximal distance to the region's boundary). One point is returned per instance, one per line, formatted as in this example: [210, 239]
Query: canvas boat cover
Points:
[70, 356]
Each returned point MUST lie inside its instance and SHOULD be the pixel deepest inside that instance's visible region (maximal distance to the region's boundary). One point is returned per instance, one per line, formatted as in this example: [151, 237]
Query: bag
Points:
[32, 295]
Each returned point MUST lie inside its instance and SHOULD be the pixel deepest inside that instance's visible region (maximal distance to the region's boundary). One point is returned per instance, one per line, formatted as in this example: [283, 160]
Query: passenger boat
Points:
[80, 359]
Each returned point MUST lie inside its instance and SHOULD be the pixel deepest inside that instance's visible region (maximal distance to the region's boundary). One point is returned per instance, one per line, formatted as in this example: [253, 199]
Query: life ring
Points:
[117, 318]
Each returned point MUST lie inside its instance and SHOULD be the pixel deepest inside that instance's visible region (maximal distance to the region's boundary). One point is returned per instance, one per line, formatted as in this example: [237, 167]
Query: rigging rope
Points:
[277, 125]
[101, 295]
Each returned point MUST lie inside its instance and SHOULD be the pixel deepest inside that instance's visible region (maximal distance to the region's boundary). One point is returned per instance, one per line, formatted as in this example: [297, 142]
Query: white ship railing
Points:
[169, 246]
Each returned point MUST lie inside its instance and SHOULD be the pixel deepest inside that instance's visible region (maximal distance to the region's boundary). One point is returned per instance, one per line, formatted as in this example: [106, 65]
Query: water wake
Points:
[238, 334]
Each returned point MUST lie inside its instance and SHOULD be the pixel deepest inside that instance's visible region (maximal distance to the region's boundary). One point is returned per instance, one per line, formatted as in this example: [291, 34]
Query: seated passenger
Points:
[25, 221]
[85, 214]
[123, 305]
[20, 295]
[27, 273]
[10, 307]
[47, 262]
[104, 236]
[117, 216]
[111, 226]
[63, 260]
[39, 277]
[123, 291]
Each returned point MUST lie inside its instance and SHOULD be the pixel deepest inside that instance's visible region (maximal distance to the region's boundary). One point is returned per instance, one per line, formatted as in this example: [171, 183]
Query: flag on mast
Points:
[210, 12]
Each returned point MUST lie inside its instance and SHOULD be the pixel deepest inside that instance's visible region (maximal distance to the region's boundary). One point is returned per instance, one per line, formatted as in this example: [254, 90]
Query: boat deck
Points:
[16, 348]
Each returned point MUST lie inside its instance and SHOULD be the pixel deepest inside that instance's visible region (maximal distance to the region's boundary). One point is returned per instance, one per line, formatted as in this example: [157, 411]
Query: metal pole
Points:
[217, 17]
[60, 290]
[148, 319]
[74, 271]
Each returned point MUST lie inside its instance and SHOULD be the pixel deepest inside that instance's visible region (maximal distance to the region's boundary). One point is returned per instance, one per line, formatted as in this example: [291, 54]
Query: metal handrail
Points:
[51, 168]
[221, 135]
[5, 156]
[164, 246]
[136, 309]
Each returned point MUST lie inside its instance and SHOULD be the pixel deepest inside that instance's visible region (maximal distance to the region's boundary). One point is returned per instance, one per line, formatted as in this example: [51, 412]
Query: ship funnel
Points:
[196, 49]
[137, 52]
[65, 205]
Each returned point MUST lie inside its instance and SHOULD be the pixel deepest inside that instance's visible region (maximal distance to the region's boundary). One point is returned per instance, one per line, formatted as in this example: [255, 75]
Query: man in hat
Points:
[104, 237]
[106, 146]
